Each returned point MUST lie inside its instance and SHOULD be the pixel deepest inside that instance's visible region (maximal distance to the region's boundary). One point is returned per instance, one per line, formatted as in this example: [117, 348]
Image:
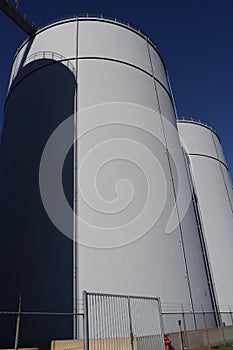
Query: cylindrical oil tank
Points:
[90, 129]
[214, 194]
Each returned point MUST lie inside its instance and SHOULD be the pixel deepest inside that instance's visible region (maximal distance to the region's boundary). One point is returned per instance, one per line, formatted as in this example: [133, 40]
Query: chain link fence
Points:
[37, 329]
[116, 322]
[201, 317]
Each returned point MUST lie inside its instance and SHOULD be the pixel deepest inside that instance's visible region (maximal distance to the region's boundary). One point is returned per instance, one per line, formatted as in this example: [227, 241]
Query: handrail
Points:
[196, 121]
[97, 16]
[42, 55]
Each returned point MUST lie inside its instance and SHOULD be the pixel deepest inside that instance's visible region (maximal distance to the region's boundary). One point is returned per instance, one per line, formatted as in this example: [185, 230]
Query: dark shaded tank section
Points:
[35, 258]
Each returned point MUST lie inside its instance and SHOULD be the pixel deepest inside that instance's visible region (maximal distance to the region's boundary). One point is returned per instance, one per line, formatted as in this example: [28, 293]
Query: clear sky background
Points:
[194, 37]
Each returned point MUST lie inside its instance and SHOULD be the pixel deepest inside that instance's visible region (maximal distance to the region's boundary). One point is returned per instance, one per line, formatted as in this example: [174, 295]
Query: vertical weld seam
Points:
[205, 253]
[174, 190]
[172, 96]
[75, 226]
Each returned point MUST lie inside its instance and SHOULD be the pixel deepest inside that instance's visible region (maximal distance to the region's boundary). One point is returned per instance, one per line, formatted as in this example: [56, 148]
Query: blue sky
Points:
[195, 39]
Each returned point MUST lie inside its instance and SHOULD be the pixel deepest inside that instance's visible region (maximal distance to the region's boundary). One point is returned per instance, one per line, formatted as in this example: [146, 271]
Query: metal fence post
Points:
[161, 322]
[18, 324]
[185, 329]
[181, 335]
[206, 328]
[231, 315]
[86, 321]
[223, 335]
[130, 324]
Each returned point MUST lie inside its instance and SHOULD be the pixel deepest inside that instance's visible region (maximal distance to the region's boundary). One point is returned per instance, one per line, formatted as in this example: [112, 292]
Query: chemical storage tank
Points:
[213, 188]
[90, 128]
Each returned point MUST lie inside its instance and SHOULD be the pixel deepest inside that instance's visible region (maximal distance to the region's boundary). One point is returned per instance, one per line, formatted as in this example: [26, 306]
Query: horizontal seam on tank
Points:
[94, 20]
[127, 64]
[87, 58]
[180, 121]
[206, 156]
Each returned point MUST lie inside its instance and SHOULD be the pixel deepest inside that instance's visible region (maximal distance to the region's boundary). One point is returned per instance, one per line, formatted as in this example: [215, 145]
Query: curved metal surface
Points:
[128, 114]
[215, 198]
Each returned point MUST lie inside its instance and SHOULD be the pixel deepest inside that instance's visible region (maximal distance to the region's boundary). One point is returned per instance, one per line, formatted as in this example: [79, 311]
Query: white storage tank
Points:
[213, 188]
[105, 85]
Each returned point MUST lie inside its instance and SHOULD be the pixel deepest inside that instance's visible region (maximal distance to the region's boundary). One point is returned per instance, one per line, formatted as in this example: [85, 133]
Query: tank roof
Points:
[93, 17]
[190, 120]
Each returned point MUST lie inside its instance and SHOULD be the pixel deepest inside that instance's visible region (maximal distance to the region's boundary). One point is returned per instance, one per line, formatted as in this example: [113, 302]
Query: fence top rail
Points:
[122, 296]
[38, 313]
[196, 312]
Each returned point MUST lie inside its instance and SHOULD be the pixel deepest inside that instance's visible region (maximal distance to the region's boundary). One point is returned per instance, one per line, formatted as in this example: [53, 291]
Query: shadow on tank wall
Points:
[35, 258]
